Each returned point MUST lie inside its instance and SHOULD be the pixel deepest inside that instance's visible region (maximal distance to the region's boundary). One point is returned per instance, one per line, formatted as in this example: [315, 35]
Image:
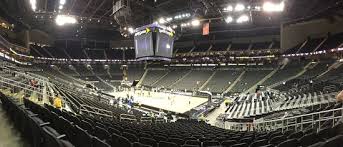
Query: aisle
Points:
[9, 137]
[211, 117]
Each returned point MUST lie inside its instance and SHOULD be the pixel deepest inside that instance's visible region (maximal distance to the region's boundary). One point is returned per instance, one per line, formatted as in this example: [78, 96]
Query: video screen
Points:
[164, 45]
[144, 45]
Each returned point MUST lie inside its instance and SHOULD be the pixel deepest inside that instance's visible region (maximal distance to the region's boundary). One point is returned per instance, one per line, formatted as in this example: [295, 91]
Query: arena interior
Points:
[171, 73]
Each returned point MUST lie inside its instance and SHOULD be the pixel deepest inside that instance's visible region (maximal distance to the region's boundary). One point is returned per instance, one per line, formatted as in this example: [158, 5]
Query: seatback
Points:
[130, 136]
[82, 138]
[229, 143]
[240, 145]
[148, 141]
[99, 143]
[167, 144]
[259, 143]
[309, 139]
[289, 143]
[193, 142]
[101, 133]
[124, 142]
[277, 140]
[178, 141]
[210, 143]
[334, 142]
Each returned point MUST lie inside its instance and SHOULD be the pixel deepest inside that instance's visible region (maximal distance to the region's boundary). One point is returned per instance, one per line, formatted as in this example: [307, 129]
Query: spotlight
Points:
[243, 18]
[239, 7]
[130, 29]
[174, 26]
[33, 4]
[228, 8]
[195, 22]
[169, 19]
[228, 19]
[272, 7]
[62, 2]
[162, 20]
[65, 19]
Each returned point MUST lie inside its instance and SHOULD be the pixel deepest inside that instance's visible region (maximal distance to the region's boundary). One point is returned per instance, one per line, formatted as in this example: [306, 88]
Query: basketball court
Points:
[166, 101]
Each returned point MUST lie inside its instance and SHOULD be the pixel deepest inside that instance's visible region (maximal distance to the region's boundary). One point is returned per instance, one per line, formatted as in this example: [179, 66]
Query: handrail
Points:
[95, 108]
[40, 78]
[97, 113]
[292, 121]
[127, 117]
[26, 87]
[298, 116]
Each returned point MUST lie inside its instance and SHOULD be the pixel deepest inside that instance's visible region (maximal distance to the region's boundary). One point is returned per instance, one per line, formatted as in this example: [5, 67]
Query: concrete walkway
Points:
[9, 137]
[211, 117]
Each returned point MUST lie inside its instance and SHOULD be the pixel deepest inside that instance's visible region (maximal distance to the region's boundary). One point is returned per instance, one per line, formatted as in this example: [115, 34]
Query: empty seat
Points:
[148, 141]
[101, 133]
[52, 139]
[178, 141]
[113, 130]
[167, 144]
[277, 140]
[259, 143]
[187, 145]
[296, 135]
[337, 129]
[86, 126]
[123, 142]
[66, 127]
[262, 137]
[325, 133]
[137, 144]
[193, 142]
[318, 144]
[274, 134]
[82, 138]
[247, 140]
[210, 143]
[99, 143]
[160, 138]
[229, 143]
[131, 137]
[309, 139]
[334, 142]
[289, 143]
[288, 132]
[240, 145]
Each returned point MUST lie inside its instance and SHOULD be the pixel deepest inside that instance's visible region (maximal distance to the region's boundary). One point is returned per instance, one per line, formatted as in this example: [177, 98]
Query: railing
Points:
[9, 45]
[27, 75]
[16, 86]
[96, 111]
[146, 119]
[127, 117]
[299, 122]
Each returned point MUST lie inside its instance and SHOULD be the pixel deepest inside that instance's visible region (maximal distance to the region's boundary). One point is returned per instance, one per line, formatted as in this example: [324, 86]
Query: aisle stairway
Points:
[212, 117]
[235, 82]
[252, 89]
[208, 80]
[9, 137]
[293, 77]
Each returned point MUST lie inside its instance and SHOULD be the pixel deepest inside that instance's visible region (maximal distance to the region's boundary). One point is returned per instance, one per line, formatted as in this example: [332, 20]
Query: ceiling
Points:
[98, 15]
